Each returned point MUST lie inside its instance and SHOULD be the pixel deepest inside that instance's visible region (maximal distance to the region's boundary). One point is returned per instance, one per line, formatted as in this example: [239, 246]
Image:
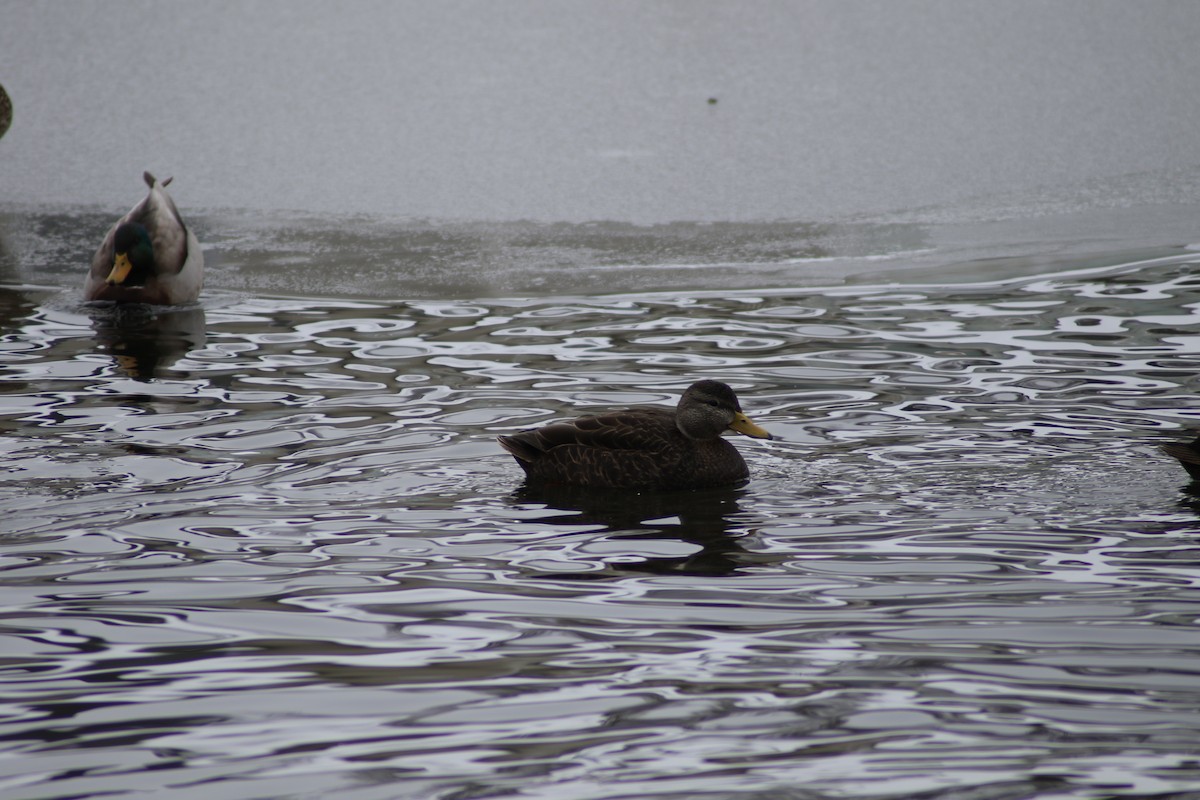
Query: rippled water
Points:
[269, 548]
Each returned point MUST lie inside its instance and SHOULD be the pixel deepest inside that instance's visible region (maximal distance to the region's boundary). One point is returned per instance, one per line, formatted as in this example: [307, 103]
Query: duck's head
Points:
[133, 256]
[709, 407]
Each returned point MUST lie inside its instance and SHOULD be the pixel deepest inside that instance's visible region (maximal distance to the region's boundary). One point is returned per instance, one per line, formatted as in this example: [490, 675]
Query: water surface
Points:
[267, 547]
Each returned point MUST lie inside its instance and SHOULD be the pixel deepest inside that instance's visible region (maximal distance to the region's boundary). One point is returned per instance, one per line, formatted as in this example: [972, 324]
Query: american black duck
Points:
[644, 447]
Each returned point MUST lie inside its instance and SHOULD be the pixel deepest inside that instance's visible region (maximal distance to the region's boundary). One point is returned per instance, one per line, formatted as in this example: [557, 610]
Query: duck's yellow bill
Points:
[120, 270]
[742, 424]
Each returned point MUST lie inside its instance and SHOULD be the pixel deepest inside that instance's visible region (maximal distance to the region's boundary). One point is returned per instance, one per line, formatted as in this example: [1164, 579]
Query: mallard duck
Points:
[643, 447]
[148, 256]
[1188, 454]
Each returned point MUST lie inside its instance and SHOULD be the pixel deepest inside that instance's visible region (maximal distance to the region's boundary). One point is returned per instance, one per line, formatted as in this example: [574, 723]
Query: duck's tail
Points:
[519, 448]
[1188, 455]
[150, 179]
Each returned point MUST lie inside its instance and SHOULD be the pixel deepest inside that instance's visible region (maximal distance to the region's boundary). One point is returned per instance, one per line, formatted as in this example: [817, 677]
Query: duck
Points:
[1188, 455]
[642, 448]
[148, 256]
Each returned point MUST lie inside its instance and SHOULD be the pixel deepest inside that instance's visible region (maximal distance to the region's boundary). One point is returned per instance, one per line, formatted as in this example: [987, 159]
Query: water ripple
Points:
[275, 547]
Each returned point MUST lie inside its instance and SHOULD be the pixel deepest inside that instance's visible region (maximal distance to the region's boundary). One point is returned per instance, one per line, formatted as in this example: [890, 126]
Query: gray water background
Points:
[267, 547]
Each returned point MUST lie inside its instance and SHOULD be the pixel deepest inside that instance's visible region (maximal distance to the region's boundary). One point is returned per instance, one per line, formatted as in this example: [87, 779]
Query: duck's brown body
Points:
[642, 448]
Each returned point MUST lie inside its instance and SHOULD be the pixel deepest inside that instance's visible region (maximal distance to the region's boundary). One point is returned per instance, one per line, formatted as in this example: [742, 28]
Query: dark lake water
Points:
[267, 547]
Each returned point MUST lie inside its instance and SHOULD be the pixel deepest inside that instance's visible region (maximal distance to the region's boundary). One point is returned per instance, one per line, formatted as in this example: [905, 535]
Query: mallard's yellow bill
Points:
[742, 424]
[120, 270]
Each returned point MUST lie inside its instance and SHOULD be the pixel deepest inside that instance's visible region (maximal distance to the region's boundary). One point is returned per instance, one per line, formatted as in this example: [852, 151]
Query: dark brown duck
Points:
[643, 447]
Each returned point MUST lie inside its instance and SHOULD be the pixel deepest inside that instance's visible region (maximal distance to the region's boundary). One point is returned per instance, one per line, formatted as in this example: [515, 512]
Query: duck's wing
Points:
[617, 450]
[635, 430]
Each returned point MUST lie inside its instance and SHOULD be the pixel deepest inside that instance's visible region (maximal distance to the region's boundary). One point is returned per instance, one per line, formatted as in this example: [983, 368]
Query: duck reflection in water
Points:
[144, 340]
[708, 519]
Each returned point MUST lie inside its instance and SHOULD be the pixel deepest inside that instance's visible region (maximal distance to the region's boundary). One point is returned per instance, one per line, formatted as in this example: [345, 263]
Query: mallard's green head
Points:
[133, 256]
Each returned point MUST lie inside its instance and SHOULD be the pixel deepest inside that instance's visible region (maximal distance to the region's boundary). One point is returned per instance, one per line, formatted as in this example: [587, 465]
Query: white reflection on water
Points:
[283, 556]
